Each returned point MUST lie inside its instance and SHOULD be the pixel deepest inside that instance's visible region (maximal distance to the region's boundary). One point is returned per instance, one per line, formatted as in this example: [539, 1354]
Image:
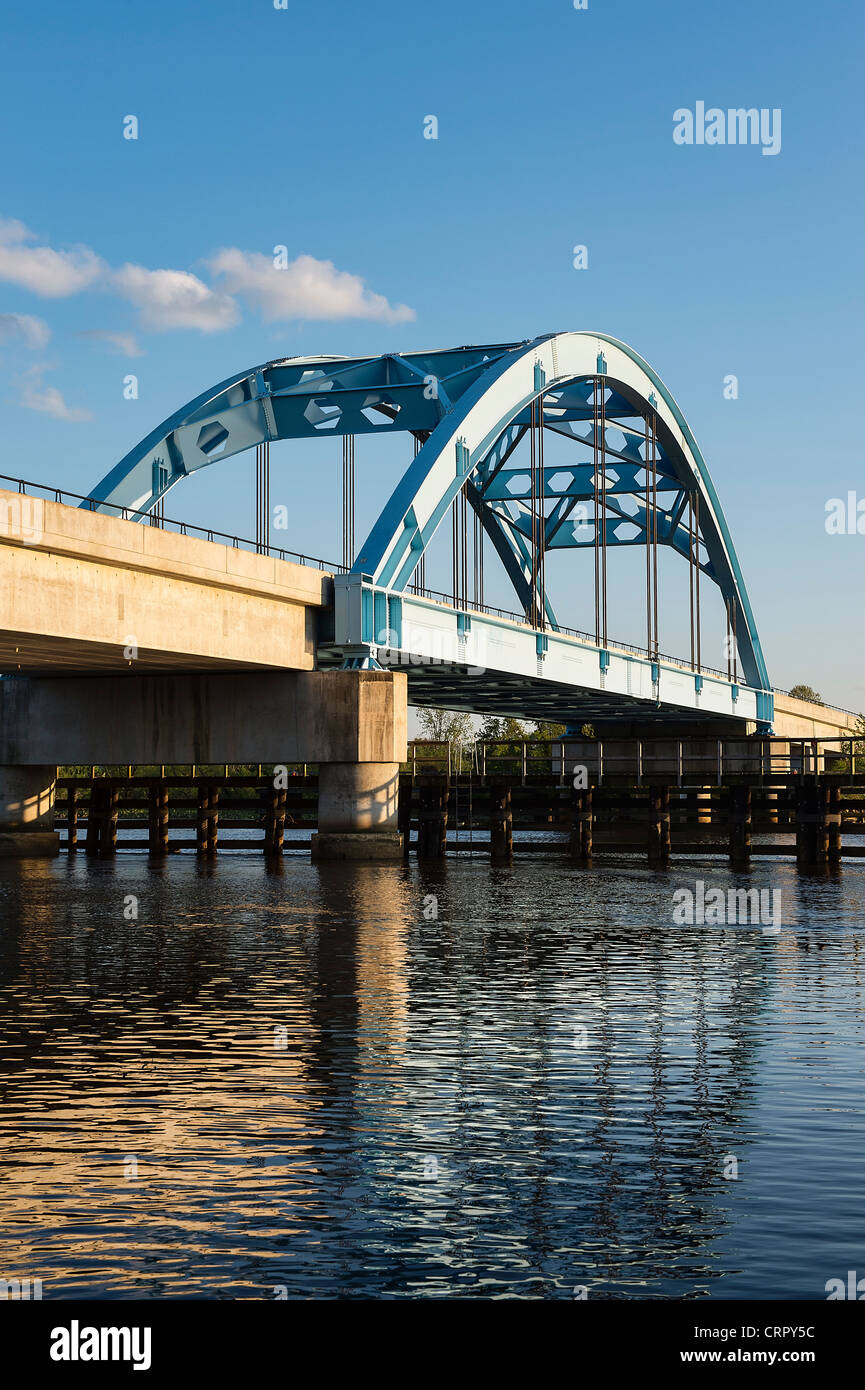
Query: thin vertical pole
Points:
[648, 546]
[460, 550]
[464, 547]
[455, 549]
[420, 570]
[542, 582]
[603, 405]
[697, 570]
[729, 642]
[655, 529]
[597, 510]
[348, 480]
[691, 571]
[531, 612]
[533, 510]
[262, 497]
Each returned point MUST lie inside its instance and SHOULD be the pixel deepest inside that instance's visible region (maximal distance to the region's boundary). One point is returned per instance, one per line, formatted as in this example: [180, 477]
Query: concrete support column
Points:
[358, 806]
[27, 812]
[351, 723]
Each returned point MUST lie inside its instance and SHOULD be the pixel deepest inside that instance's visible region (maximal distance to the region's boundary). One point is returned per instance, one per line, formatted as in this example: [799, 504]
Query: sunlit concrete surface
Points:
[82, 591]
[258, 716]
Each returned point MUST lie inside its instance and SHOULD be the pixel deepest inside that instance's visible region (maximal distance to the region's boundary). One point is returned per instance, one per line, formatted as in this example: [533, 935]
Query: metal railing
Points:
[164, 523]
[469, 605]
[693, 762]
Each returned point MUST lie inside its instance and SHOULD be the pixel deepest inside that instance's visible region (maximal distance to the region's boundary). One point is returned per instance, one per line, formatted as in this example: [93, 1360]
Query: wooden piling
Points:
[404, 812]
[833, 819]
[274, 828]
[501, 823]
[157, 819]
[96, 807]
[740, 826]
[212, 829]
[72, 795]
[812, 828]
[659, 825]
[432, 817]
[108, 838]
[582, 824]
[809, 806]
[202, 819]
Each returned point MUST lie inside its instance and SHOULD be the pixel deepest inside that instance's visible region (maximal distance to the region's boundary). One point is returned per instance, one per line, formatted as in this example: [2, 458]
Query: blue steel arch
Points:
[470, 408]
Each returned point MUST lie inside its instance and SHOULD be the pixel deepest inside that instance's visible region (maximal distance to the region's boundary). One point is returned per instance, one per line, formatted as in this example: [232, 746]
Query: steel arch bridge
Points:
[637, 479]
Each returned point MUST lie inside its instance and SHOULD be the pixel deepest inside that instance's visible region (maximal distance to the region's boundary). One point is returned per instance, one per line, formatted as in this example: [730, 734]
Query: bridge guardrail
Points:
[697, 761]
[183, 528]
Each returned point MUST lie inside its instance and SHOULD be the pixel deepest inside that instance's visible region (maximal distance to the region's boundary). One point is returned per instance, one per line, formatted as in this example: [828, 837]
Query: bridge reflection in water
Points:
[305, 1079]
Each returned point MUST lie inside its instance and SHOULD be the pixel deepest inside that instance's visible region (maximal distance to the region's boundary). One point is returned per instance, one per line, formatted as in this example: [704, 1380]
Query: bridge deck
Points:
[81, 591]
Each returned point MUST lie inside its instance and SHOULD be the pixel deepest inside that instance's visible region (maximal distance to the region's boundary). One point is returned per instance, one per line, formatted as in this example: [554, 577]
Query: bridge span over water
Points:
[479, 417]
[90, 591]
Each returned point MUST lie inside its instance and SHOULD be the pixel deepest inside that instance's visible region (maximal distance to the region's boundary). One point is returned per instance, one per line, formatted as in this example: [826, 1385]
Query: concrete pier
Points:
[352, 724]
[358, 806]
[27, 812]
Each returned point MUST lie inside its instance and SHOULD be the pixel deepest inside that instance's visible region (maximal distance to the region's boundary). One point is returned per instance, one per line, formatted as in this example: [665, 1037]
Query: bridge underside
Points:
[51, 654]
[502, 693]
[487, 664]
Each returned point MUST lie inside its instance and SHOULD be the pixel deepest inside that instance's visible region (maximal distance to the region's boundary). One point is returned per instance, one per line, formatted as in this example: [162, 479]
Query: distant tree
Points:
[806, 692]
[545, 731]
[853, 747]
[501, 737]
[445, 726]
[514, 730]
[491, 728]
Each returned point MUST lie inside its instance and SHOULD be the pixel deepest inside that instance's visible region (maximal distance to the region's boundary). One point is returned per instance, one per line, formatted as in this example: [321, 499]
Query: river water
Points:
[452, 1080]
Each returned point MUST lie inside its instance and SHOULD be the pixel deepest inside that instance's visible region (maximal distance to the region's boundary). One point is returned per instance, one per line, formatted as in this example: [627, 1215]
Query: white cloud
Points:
[52, 274]
[304, 289]
[168, 299]
[26, 328]
[165, 299]
[125, 343]
[174, 299]
[35, 395]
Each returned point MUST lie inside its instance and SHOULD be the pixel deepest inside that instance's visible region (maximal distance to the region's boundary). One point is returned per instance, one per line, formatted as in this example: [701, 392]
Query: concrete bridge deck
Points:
[80, 590]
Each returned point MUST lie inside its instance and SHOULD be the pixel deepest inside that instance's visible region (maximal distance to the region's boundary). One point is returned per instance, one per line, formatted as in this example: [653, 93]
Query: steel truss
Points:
[637, 477]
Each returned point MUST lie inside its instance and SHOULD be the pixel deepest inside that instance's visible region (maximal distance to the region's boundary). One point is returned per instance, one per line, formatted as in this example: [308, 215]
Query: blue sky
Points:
[304, 127]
